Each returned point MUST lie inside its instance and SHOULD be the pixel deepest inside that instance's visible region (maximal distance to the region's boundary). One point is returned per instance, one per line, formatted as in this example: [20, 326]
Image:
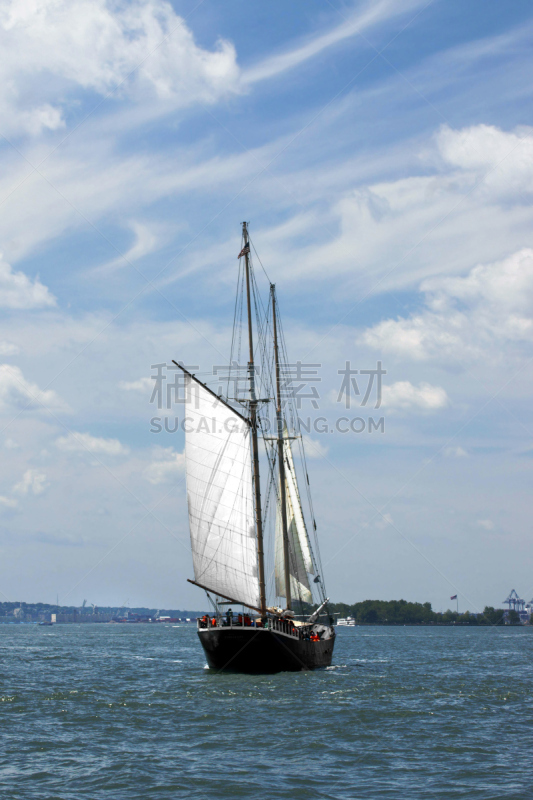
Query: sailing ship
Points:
[230, 516]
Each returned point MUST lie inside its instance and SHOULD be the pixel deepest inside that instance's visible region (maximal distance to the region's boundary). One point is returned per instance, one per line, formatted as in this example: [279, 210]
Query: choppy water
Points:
[118, 711]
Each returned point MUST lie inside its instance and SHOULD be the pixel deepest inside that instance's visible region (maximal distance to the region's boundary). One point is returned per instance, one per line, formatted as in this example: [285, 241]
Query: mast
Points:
[281, 455]
[253, 423]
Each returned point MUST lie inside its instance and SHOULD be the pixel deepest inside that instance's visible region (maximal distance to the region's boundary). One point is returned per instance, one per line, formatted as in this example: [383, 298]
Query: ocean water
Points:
[119, 711]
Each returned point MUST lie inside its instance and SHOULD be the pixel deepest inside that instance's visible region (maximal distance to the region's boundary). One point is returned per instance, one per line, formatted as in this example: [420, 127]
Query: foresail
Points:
[299, 582]
[220, 497]
[294, 494]
[300, 559]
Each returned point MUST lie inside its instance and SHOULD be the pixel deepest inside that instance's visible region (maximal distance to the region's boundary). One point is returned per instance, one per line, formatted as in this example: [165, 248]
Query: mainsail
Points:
[220, 496]
[300, 559]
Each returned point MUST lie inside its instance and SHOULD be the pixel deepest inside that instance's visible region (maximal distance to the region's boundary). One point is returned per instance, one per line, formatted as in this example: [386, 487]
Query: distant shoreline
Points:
[192, 622]
[392, 613]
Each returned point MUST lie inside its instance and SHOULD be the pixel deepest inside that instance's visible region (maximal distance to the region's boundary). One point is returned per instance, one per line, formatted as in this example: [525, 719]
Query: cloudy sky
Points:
[383, 154]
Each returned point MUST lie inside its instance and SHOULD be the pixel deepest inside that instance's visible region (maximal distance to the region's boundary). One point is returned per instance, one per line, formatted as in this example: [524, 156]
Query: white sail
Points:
[220, 498]
[294, 494]
[300, 560]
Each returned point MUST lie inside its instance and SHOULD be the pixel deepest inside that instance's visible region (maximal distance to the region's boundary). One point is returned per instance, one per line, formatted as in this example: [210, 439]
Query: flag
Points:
[244, 251]
[453, 597]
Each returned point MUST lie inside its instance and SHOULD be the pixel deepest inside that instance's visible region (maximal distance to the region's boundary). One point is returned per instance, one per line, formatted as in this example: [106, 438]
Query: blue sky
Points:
[383, 155]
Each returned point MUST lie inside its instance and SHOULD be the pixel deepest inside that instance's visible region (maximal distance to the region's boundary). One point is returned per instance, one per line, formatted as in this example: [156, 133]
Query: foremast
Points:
[281, 453]
[253, 427]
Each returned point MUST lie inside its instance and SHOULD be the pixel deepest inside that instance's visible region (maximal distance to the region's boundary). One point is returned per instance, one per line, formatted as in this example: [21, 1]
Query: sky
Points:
[382, 153]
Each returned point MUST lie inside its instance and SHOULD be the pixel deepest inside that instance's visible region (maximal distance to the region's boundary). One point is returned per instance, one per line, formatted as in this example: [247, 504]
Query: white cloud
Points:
[85, 443]
[404, 395]
[139, 48]
[503, 160]
[8, 502]
[103, 181]
[486, 524]
[32, 481]
[465, 318]
[313, 448]
[18, 291]
[505, 285]
[166, 468]
[8, 349]
[455, 452]
[369, 15]
[17, 392]
[451, 211]
[146, 241]
[142, 385]
[401, 336]
[383, 521]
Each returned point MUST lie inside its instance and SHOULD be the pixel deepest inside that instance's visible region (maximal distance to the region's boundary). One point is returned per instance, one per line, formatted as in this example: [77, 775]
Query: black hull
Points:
[260, 651]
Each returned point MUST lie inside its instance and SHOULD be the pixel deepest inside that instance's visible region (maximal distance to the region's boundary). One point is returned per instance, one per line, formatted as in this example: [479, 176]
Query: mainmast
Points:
[253, 421]
[281, 455]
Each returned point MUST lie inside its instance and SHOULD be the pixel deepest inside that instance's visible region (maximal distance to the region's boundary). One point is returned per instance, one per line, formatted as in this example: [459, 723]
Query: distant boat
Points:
[47, 624]
[226, 517]
[346, 621]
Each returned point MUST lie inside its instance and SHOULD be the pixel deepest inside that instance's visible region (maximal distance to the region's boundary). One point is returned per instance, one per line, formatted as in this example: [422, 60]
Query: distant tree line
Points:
[401, 612]
[41, 610]
[369, 612]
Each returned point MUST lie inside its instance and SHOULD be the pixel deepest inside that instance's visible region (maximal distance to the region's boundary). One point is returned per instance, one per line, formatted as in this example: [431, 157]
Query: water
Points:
[119, 711]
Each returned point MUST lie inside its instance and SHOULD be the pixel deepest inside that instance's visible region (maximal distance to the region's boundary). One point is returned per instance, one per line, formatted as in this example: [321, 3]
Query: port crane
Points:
[514, 602]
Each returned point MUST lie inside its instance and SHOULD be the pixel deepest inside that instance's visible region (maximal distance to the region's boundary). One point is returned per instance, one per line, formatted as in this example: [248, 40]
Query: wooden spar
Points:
[281, 456]
[231, 599]
[217, 396]
[253, 426]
